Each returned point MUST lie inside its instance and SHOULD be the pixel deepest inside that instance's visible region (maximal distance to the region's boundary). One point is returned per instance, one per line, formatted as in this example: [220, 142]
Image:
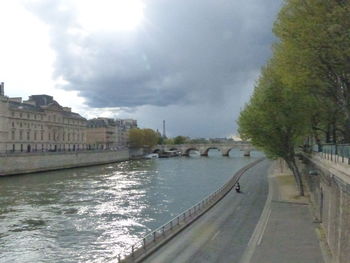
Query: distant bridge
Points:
[203, 149]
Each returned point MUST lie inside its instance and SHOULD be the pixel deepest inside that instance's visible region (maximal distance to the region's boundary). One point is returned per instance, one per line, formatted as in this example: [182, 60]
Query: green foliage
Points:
[314, 54]
[305, 88]
[169, 141]
[180, 140]
[276, 118]
[199, 141]
[143, 138]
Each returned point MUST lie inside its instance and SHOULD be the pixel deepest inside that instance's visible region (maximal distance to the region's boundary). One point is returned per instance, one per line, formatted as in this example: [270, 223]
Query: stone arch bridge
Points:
[203, 149]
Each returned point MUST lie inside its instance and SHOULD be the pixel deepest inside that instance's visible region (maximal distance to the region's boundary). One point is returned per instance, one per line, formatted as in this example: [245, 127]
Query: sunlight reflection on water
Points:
[91, 214]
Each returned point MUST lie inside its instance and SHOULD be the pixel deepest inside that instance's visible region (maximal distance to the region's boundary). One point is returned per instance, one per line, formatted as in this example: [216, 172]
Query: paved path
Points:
[286, 232]
[222, 234]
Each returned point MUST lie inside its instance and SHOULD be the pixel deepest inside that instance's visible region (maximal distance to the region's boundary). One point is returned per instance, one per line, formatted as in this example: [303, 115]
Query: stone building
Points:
[39, 124]
[101, 134]
[122, 130]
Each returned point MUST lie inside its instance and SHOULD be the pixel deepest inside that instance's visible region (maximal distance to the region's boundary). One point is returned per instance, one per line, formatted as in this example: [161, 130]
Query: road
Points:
[221, 235]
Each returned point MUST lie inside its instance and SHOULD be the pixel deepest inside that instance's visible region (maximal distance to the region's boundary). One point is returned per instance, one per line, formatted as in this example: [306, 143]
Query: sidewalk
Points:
[286, 232]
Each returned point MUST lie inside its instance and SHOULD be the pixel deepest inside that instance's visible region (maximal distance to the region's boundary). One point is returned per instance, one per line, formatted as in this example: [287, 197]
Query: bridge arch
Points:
[206, 151]
[156, 150]
[246, 152]
[187, 151]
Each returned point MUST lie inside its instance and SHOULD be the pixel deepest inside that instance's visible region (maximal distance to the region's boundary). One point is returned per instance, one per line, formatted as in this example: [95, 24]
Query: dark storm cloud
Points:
[192, 62]
[185, 52]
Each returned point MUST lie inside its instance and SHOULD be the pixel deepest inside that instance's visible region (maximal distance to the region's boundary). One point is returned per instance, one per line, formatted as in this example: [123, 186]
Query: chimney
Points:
[2, 90]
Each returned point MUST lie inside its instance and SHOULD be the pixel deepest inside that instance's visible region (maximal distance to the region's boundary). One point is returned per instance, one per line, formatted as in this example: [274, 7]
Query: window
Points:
[20, 115]
[20, 124]
[49, 136]
[12, 135]
[42, 135]
[13, 124]
[28, 115]
[13, 114]
[35, 135]
[28, 135]
[54, 117]
[21, 135]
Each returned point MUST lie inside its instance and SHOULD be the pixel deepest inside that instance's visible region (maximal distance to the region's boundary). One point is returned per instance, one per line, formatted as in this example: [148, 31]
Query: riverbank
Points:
[23, 163]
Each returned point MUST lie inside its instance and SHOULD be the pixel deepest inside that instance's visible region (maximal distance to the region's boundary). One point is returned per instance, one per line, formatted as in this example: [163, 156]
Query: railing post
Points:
[154, 236]
[132, 250]
[171, 225]
[163, 230]
[178, 220]
[118, 257]
[144, 243]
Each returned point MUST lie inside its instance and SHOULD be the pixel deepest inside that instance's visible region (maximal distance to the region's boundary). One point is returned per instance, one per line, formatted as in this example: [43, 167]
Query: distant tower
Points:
[2, 90]
[164, 135]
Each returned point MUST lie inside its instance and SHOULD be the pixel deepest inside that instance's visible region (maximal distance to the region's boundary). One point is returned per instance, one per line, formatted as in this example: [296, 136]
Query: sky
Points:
[192, 63]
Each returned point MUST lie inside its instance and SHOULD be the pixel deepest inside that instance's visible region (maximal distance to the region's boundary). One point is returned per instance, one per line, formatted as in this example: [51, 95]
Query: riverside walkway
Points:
[257, 226]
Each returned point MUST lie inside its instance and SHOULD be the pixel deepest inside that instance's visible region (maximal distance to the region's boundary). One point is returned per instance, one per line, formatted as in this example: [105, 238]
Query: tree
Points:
[276, 119]
[143, 138]
[136, 139]
[180, 140]
[315, 46]
[150, 138]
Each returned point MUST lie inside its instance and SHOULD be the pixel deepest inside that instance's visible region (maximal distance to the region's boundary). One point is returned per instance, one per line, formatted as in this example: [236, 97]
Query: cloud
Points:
[201, 53]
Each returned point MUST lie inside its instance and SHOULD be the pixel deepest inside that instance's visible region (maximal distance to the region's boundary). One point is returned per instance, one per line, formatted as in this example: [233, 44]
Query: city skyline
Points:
[193, 64]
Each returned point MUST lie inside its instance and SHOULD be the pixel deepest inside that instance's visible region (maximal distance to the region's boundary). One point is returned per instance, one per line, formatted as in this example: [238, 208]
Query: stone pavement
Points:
[286, 232]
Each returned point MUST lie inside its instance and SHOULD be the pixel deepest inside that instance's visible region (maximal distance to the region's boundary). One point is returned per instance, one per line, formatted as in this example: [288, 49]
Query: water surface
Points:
[90, 214]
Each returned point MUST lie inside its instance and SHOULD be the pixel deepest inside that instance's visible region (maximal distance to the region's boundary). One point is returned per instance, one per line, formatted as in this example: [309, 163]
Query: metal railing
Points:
[334, 152]
[151, 241]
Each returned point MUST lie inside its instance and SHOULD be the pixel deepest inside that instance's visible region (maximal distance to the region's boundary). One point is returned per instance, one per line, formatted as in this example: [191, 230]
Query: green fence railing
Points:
[334, 152]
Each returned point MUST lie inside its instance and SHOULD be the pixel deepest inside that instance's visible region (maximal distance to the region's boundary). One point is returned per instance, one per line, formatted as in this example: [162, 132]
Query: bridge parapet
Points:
[203, 149]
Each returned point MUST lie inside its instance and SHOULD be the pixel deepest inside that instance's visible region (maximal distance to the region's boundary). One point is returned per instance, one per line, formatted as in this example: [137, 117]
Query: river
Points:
[90, 214]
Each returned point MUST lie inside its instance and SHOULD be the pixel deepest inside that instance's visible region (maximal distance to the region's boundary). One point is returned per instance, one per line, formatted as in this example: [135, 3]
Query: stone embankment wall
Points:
[329, 185]
[37, 162]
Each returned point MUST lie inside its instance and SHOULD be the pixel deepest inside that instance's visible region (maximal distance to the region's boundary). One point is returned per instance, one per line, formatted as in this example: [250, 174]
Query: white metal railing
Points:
[152, 240]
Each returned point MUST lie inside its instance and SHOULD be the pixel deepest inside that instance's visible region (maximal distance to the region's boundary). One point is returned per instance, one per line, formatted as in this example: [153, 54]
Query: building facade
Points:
[101, 134]
[39, 124]
[122, 131]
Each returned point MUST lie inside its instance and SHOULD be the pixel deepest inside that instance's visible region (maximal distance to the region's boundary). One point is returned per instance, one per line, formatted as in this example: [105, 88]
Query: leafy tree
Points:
[199, 141]
[143, 138]
[168, 141]
[136, 138]
[180, 140]
[150, 138]
[315, 49]
[276, 119]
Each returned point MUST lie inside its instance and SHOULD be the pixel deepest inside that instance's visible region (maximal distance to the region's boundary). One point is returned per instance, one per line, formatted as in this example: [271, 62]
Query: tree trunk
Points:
[297, 176]
[347, 131]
